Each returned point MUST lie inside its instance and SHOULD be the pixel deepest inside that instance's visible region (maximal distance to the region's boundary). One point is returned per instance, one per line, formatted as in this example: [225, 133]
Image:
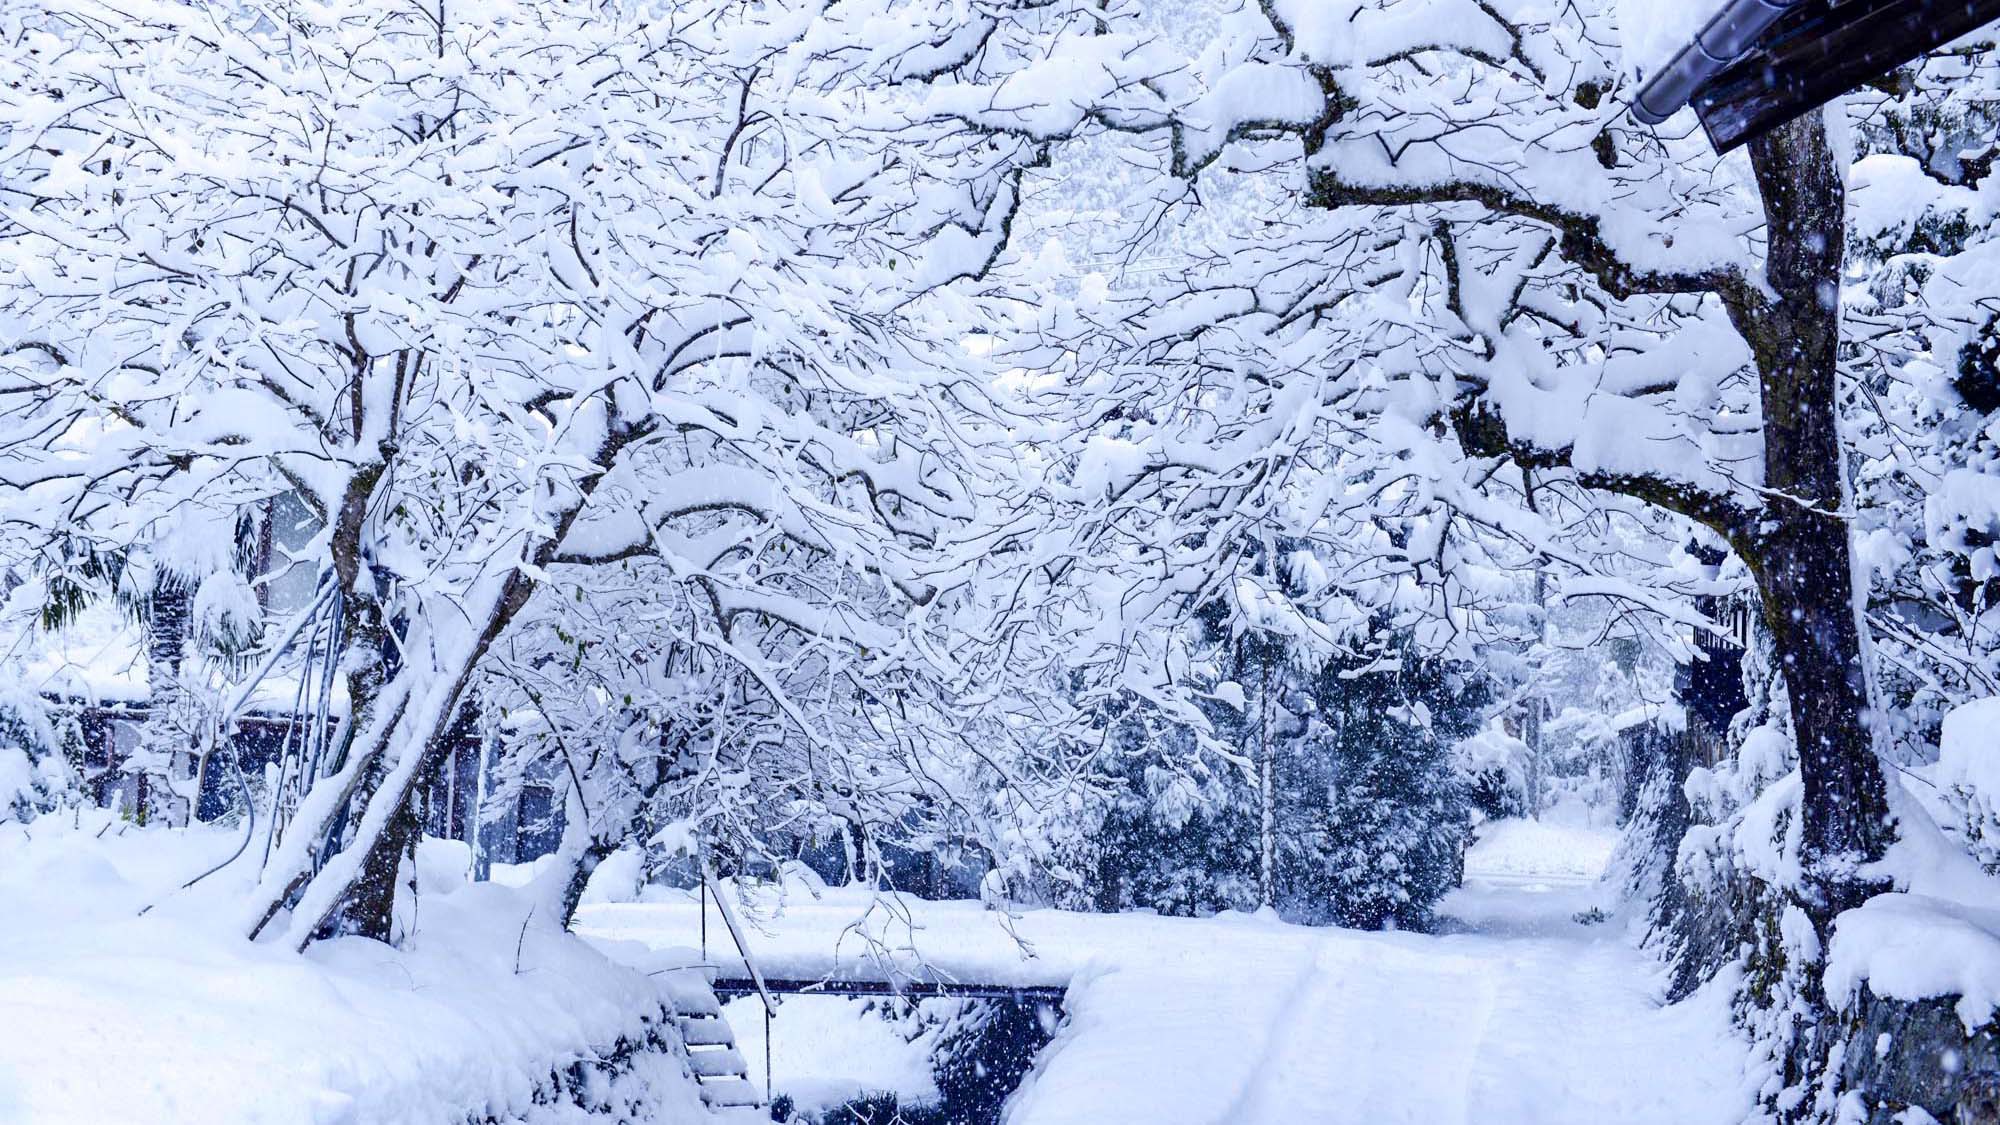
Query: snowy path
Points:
[1525, 1018]
[1537, 1030]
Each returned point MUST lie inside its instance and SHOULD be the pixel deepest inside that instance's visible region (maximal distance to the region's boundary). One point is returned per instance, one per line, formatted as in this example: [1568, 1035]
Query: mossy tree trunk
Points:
[1798, 546]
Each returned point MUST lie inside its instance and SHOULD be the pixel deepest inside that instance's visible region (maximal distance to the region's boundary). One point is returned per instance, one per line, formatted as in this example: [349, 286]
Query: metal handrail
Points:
[710, 885]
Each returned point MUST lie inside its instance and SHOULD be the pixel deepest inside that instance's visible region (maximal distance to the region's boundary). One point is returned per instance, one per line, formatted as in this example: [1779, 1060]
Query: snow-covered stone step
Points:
[692, 1001]
[709, 1032]
[716, 1062]
[725, 1092]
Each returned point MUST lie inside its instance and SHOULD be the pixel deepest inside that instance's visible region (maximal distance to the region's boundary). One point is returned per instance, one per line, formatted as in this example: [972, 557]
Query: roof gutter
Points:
[1727, 37]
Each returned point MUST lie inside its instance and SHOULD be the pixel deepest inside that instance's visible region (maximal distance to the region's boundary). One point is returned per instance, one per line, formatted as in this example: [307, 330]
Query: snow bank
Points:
[107, 1015]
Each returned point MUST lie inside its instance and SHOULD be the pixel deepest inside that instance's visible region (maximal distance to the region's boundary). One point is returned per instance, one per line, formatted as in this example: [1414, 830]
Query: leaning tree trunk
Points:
[369, 909]
[1798, 548]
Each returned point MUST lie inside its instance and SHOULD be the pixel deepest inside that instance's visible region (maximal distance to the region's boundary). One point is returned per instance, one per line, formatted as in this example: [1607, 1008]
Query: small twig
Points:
[522, 940]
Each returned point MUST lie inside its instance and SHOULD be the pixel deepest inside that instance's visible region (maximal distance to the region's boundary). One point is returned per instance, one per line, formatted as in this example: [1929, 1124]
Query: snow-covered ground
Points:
[1525, 1016]
[1547, 852]
[108, 1015]
[1522, 1015]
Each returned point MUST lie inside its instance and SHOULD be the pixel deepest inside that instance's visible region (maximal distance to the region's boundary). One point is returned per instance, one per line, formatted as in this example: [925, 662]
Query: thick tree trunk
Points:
[366, 905]
[1799, 549]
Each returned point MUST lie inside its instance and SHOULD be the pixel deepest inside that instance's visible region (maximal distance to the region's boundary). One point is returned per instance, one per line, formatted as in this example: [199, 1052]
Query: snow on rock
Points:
[1913, 947]
[1938, 934]
[108, 1015]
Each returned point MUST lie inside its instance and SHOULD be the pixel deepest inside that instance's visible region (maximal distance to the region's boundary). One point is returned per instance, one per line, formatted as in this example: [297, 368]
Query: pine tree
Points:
[1369, 818]
[1380, 819]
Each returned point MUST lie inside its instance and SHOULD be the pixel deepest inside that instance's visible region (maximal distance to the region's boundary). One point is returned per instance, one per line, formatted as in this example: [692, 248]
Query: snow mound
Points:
[1939, 933]
[108, 1015]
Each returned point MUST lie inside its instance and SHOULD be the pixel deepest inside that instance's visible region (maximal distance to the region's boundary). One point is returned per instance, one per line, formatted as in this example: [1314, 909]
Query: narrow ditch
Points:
[897, 1061]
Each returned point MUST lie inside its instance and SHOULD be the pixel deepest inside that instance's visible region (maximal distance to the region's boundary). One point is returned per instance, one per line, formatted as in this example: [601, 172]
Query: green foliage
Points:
[1372, 820]
[1380, 820]
[1181, 836]
[82, 576]
[39, 763]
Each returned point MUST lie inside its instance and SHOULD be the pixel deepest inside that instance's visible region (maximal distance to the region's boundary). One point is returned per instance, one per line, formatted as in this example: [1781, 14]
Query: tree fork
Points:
[1796, 543]
[351, 905]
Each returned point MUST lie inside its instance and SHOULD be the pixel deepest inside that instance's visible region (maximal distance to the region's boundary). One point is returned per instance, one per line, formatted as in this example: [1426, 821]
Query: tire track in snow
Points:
[1383, 1035]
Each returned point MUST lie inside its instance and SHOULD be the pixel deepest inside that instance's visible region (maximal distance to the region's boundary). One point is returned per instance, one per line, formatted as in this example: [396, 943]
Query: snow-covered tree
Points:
[1451, 254]
[506, 296]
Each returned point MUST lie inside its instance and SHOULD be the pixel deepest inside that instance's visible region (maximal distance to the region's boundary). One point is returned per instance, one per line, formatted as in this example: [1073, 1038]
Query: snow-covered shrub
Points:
[38, 764]
[1968, 772]
[1492, 765]
[1654, 810]
[1178, 833]
[226, 616]
[1370, 818]
[1384, 820]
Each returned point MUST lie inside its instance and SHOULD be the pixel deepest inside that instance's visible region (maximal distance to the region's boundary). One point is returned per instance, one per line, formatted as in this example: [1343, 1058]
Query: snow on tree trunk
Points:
[163, 739]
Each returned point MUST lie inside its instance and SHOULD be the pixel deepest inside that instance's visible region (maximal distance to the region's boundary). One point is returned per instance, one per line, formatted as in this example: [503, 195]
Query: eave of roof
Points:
[1728, 35]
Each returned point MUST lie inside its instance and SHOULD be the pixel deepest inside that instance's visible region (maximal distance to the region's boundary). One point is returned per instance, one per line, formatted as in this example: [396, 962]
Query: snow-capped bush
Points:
[1968, 771]
[226, 616]
[35, 770]
[1493, 766]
